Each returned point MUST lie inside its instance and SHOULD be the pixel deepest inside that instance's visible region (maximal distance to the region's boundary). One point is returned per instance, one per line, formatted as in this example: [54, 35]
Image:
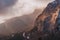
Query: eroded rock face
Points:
[47, 20]
[48, 23]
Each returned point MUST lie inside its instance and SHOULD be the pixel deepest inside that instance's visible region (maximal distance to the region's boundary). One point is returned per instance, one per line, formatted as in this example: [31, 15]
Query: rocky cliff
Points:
[46, 20]
[48, 23]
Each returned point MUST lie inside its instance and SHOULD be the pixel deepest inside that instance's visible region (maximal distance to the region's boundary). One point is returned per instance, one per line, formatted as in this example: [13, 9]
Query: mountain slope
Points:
[19, 24]
[46, 20]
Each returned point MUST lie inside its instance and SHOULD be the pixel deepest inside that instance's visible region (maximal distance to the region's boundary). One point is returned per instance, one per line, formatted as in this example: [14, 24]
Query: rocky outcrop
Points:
[46, 21]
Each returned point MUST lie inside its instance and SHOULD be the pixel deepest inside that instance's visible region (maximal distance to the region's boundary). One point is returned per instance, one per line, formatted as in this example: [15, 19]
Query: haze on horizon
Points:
[22, 7]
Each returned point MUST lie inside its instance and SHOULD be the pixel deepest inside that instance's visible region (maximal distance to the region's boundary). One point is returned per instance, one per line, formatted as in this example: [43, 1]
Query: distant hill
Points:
[19, 24]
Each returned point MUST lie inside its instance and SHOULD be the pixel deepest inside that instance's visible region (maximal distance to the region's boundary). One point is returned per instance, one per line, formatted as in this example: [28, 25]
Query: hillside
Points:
[19, 24]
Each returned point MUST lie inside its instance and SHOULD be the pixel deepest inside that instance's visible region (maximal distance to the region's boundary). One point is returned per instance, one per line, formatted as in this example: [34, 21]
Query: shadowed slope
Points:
[19, 24]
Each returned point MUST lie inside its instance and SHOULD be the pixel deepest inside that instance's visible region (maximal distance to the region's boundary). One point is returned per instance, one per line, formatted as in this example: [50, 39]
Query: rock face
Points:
[47, 20]
[48, 23]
